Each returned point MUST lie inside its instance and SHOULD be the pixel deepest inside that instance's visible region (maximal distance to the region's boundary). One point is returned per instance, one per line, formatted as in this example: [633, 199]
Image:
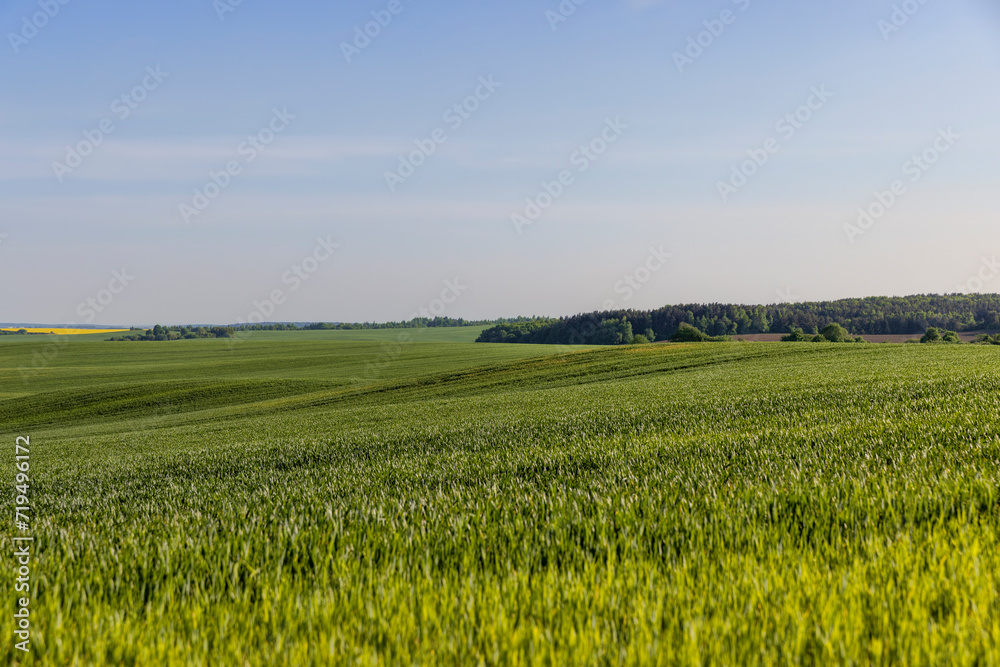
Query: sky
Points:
[216, 162]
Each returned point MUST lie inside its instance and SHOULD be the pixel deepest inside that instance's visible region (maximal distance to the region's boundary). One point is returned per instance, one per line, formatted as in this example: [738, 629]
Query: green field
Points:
[333, 498]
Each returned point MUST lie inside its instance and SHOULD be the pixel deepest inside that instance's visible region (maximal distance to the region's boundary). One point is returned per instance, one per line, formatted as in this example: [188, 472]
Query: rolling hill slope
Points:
[729, 503]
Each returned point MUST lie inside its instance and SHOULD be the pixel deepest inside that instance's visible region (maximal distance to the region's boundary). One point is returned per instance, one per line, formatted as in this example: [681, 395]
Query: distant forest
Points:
[415, 323]
[872, 316]
[176, 332]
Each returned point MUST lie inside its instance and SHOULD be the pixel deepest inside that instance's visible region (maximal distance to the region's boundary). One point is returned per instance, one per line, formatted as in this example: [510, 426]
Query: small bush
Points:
[797, 336]
[688, 334]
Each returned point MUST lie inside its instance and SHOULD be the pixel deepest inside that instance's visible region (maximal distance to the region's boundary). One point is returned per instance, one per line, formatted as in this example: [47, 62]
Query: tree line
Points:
[175, 332]
[910, 315]
[159, 332]
[415, 323]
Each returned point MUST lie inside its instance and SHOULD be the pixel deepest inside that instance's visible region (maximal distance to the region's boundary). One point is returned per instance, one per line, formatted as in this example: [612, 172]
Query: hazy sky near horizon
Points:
[213, 155]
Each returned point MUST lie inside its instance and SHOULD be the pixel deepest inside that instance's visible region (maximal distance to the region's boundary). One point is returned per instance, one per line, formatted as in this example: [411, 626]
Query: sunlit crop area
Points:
[319, 502]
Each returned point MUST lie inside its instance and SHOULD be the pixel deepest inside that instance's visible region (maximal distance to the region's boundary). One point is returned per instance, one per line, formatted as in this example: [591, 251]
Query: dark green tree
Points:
[950, 337]
[797, 336]
[688, 334]
[836, 334]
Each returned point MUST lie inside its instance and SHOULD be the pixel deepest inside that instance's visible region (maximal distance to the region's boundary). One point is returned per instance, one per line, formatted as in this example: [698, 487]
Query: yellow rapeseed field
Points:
[66, 332]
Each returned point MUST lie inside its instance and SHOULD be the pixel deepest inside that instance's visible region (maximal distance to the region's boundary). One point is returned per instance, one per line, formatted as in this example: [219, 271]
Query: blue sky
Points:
[653, 190]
